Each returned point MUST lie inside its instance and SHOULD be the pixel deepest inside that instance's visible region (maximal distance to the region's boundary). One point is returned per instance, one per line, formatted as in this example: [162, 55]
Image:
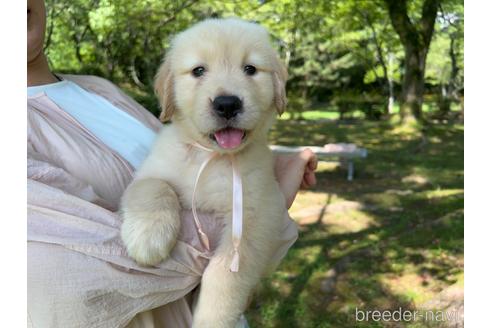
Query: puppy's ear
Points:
[164, 89]
[279, 80]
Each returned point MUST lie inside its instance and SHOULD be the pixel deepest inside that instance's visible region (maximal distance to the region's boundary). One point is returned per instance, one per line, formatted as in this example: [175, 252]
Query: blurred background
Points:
[386, 75]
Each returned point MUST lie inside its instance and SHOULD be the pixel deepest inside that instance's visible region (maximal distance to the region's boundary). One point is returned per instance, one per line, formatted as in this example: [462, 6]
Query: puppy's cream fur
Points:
[152, 203]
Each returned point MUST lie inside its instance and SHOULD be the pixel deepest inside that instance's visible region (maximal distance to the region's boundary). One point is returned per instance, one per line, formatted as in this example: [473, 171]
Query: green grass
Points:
[322, 115]
[393, 237]
[331, 112]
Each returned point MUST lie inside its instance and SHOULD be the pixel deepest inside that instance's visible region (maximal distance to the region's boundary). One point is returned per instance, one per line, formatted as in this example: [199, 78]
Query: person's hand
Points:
[294, 172]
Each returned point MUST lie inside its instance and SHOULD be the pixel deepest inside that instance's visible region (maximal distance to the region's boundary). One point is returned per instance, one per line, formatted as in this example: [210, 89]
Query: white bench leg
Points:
[350, 175]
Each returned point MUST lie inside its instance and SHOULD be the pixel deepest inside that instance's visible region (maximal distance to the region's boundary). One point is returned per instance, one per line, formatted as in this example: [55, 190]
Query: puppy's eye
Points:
[249, 70]
[198, 71]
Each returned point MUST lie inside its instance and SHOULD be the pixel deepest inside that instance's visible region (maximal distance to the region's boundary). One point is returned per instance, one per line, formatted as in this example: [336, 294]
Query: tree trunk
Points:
[449, 91]
[413, 84]
[415, 38]
[454, 84]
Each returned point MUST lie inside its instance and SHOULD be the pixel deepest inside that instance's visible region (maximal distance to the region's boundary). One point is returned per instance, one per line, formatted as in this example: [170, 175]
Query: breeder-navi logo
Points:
[406, 315]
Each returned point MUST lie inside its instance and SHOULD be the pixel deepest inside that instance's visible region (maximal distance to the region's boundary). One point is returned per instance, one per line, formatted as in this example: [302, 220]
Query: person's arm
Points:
[294, 172]
[77, 263]
[41, 169]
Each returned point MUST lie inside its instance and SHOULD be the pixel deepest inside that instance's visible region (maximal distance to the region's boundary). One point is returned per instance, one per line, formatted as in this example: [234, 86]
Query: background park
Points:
[386, 75]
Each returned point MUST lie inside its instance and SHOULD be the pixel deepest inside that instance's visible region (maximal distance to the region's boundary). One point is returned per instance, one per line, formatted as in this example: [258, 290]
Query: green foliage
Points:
[450, 29]
[332, 48]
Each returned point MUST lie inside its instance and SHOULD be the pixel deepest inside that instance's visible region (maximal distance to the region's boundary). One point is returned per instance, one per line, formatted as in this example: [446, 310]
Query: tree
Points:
[416, 38]
[340, 54]
[450, 19]
[377, 46]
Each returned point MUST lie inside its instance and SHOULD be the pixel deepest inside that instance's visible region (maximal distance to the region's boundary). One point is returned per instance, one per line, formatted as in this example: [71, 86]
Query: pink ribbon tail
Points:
[201, 234]
[204, 239]
[237, 206]
[237, 212]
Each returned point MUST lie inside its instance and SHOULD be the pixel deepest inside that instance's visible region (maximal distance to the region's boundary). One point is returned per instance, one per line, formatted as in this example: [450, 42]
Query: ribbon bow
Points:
[237, 206]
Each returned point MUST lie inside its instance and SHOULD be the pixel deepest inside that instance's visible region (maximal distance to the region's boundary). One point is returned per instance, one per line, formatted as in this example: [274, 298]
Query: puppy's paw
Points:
[149, 240]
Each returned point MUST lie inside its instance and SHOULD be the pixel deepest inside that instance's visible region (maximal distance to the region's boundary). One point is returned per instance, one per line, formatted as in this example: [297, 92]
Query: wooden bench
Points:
[340, 152]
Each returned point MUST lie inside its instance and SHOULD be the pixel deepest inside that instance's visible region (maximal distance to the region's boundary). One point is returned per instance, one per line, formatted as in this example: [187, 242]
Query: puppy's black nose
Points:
[227, 106]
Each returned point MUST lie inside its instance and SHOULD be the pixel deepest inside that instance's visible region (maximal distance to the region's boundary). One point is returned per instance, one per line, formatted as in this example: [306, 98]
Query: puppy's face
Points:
[221, 83]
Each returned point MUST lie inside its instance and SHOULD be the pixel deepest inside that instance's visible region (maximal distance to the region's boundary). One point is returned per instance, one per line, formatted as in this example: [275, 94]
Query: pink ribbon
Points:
[237, 206]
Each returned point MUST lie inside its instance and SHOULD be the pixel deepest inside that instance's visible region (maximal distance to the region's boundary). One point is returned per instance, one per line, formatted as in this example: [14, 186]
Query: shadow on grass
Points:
[411, 251]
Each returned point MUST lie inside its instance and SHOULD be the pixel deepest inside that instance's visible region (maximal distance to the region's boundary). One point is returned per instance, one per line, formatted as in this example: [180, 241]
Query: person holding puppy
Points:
[85, 140]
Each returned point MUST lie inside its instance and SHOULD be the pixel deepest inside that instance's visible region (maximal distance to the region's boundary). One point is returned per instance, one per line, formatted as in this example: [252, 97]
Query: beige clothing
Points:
[79, 274]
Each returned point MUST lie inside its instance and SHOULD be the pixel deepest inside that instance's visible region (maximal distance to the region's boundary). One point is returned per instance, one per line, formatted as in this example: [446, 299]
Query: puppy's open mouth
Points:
[228, 138]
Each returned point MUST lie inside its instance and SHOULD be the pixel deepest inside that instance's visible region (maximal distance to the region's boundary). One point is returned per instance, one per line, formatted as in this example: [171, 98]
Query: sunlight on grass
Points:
[412, 287]
[391, 238]
[443, 193]
[307, 199]
[338, 223]
[329, 112]
[416, 179]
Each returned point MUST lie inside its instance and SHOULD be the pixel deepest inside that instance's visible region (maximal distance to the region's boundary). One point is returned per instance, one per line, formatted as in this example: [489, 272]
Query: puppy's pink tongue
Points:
[229, 138]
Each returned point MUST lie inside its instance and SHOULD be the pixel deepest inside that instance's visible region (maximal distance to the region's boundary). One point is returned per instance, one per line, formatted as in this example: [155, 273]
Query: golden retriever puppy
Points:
[221, 83]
